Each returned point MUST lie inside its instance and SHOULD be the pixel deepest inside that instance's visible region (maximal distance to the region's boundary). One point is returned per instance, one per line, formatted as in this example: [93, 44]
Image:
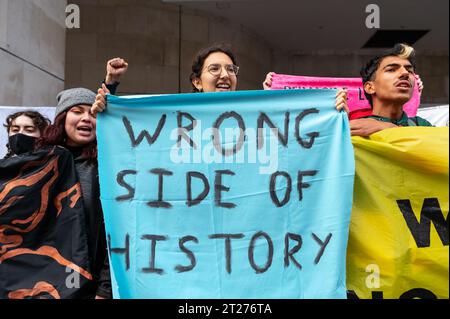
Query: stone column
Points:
[32, 51]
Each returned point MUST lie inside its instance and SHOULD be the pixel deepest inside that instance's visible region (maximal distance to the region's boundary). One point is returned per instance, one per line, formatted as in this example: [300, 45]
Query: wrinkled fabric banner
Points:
[245, 215]
[357, 102]
[436, 115]
[399, 231]
[43, 242]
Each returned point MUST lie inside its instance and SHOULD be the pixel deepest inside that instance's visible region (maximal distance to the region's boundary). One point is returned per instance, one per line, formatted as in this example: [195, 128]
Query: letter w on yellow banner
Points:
[399, 231]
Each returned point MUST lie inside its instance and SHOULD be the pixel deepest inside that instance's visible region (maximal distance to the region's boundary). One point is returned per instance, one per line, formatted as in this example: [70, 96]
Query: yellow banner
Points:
[399, 231]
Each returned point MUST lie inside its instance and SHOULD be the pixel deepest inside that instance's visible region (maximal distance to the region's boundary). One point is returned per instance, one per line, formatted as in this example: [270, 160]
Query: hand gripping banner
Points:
[199, 203]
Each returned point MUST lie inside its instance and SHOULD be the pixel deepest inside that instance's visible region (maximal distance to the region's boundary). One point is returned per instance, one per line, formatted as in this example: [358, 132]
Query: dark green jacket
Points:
[404, 121]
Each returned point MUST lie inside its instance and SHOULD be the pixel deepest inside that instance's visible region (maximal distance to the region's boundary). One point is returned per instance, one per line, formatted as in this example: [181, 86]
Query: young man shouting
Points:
[388, 84]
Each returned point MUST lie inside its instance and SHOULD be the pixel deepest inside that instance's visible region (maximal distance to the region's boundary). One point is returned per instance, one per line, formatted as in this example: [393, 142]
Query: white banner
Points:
[49, 112]
[436, 115]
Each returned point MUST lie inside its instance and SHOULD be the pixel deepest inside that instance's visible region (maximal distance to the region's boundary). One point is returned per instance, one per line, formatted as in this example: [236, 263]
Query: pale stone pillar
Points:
[32, 51]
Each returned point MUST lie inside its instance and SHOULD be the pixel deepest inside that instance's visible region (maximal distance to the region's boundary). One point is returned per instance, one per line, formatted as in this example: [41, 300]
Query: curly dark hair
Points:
[56, 135]
[40, 121]
[202, 55]
[368, 71]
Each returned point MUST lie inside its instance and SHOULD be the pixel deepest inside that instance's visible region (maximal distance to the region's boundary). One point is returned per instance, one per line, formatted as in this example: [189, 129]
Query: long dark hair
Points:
[39, 120]
[56, 135]
[202, 55]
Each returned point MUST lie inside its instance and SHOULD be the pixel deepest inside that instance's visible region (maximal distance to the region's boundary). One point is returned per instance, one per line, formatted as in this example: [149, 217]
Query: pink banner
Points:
[357, 102]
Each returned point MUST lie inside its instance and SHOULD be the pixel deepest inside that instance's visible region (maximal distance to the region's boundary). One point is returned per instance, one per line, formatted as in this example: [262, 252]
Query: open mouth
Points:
[84, 129]
[223, 86]
[404, 84]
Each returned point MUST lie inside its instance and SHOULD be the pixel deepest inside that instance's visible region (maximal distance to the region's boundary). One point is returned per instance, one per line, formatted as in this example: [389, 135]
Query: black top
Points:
[87, 172]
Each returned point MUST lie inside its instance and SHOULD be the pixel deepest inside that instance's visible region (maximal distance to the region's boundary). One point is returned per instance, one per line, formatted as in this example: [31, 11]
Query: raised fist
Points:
[115, 68]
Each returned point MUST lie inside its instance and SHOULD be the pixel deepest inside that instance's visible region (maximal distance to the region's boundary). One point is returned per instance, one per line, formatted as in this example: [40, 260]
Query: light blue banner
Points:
[228, 213]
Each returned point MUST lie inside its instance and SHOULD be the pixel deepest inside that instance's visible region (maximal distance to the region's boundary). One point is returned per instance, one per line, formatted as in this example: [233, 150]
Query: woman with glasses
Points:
[214, 69]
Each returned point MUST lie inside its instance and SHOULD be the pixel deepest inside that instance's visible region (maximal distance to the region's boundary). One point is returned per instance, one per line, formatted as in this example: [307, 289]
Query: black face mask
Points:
[21, 143]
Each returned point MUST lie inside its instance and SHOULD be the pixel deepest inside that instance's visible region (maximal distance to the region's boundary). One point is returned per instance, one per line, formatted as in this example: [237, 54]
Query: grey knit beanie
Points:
[68, 98]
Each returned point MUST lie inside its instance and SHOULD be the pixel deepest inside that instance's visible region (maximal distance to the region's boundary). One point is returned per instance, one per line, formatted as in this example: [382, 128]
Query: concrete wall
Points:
[36, 56]
[32, 51]
[147, 33]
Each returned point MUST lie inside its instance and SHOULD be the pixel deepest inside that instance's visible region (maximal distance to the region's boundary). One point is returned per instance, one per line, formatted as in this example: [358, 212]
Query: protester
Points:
[214, 69]
[75, 129]
[24, 128]
[43, 238]
[388, 81]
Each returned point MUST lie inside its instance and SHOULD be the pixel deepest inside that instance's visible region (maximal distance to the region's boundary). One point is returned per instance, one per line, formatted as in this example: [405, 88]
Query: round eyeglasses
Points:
[216, 69]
